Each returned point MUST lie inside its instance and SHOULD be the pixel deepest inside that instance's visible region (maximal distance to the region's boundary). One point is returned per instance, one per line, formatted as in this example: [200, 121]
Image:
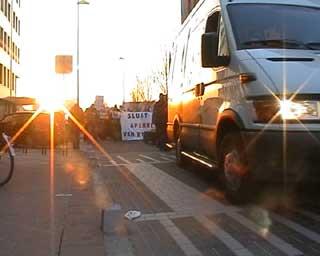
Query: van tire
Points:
[180, 159]
[234, 166]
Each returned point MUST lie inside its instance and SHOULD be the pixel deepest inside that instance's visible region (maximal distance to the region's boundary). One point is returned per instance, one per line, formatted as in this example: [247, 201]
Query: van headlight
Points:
[286, 110]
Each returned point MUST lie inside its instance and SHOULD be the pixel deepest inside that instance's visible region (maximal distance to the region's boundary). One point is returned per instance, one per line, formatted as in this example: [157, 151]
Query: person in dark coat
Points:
[77, 113]
[159, 119]
[92, 121]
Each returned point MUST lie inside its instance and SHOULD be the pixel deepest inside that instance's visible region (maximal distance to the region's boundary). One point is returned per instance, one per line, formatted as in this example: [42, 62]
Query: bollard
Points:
[112, 222]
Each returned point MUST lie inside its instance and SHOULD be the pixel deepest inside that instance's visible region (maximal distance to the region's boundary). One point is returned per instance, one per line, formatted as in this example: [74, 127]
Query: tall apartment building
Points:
[10, 23]
[9, 46]
[186, 8]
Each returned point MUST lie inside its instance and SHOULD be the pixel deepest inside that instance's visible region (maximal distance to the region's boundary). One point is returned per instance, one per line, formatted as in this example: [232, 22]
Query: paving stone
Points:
[201, 238]
[151, 237]
[297, 240]
[125, 189]
[83, 251]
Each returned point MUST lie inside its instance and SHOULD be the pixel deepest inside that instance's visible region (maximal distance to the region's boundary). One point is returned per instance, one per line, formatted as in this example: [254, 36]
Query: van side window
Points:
[215, 24]
[223, 49]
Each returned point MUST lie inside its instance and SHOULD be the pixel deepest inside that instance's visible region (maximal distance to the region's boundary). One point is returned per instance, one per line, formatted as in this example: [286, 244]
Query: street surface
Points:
[183, 211]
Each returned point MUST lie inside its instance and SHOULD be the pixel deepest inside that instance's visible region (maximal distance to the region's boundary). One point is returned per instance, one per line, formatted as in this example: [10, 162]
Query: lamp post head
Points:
[83, 2]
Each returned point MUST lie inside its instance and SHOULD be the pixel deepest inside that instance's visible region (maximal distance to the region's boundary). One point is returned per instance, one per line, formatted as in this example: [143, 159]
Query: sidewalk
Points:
[44, 214]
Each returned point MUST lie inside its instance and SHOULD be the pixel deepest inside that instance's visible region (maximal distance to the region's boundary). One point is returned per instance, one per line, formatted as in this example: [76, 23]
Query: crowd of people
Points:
[93, 123]
[108, 126]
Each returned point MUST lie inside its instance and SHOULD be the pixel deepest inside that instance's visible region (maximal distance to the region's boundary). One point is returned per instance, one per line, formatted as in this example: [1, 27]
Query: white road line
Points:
[149, 158]
[140, 160]
[166, 159]
[113, 165]
[271, 238]
[183, 241]
[236, 247]
[113, 162]
[167, 155]
[311, 215]
[297, 227]
[124, 160]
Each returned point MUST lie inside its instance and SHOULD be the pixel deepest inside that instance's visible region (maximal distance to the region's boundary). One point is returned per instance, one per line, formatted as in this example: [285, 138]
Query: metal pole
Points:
[123, 80]
[123, 87]
[78, 98]
[10, 49]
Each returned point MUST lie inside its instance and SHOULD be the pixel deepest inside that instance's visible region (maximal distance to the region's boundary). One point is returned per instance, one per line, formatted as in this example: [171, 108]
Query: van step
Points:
[200, 160]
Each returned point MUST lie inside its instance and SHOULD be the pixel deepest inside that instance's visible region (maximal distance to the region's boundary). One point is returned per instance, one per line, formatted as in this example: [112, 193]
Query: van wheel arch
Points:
[229, 122]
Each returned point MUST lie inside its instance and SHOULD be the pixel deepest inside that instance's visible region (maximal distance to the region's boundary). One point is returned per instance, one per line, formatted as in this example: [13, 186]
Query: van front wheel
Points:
[235, 168]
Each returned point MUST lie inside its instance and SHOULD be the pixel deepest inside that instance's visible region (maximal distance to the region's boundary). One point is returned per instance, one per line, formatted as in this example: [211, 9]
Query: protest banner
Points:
[134, 124]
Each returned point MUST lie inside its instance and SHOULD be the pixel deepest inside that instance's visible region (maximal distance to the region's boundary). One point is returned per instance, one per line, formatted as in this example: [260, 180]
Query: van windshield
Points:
[275, 26]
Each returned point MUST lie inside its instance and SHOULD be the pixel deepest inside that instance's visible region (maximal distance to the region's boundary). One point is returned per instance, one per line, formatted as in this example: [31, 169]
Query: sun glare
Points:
[50, 104]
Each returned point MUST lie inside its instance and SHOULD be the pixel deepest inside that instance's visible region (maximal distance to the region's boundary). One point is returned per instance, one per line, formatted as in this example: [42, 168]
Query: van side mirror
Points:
[199, 89]
[209, 52]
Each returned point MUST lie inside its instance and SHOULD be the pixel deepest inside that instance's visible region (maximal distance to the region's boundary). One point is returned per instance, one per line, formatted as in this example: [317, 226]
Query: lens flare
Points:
[291, 110]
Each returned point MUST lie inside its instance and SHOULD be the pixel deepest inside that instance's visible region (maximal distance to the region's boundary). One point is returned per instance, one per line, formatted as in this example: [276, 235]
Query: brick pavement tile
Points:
[83, 251]
[34, 217]
[176, 194]
[297, 240]
[151, 238]
[304, 220]
[201, 238]
[117, 246]
[21, 240]
[256, 244]
[128, 191]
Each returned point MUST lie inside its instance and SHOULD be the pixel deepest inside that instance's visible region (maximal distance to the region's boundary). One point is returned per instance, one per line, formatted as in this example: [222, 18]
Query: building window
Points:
[6, 8]
[16, 28]
[5, 40]
[9, 12]
[13, 84]
[8, 44]
[1, 74]
[13, 51]
[14, 20]
[8, 78]
[1, 37]
[4, 73]
[2, 5]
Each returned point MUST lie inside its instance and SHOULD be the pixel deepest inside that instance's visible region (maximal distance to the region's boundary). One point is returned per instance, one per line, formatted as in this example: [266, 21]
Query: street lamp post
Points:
[78, 30]
[123, 81]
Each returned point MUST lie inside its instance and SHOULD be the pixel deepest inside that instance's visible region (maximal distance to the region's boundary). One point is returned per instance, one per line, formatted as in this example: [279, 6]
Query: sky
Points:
[136, 31]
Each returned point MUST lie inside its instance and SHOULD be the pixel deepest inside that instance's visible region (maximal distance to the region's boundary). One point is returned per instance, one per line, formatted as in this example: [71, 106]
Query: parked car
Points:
[37, 132]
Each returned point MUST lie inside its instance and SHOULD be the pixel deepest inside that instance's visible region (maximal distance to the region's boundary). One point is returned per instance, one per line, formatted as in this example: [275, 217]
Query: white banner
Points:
[134, 124]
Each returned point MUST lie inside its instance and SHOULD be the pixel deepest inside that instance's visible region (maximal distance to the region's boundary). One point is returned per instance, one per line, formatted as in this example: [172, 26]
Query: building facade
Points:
[10, 24]
[186, 8]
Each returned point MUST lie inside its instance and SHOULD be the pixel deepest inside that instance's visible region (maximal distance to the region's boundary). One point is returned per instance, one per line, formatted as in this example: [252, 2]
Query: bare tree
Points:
[161, 75]
[143, 90]
[155, 82]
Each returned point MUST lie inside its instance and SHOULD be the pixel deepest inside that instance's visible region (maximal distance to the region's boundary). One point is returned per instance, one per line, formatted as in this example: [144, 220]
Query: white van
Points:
[244, 89]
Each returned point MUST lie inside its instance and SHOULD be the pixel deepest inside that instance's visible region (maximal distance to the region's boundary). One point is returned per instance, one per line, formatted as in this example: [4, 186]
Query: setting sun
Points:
[50, 103]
